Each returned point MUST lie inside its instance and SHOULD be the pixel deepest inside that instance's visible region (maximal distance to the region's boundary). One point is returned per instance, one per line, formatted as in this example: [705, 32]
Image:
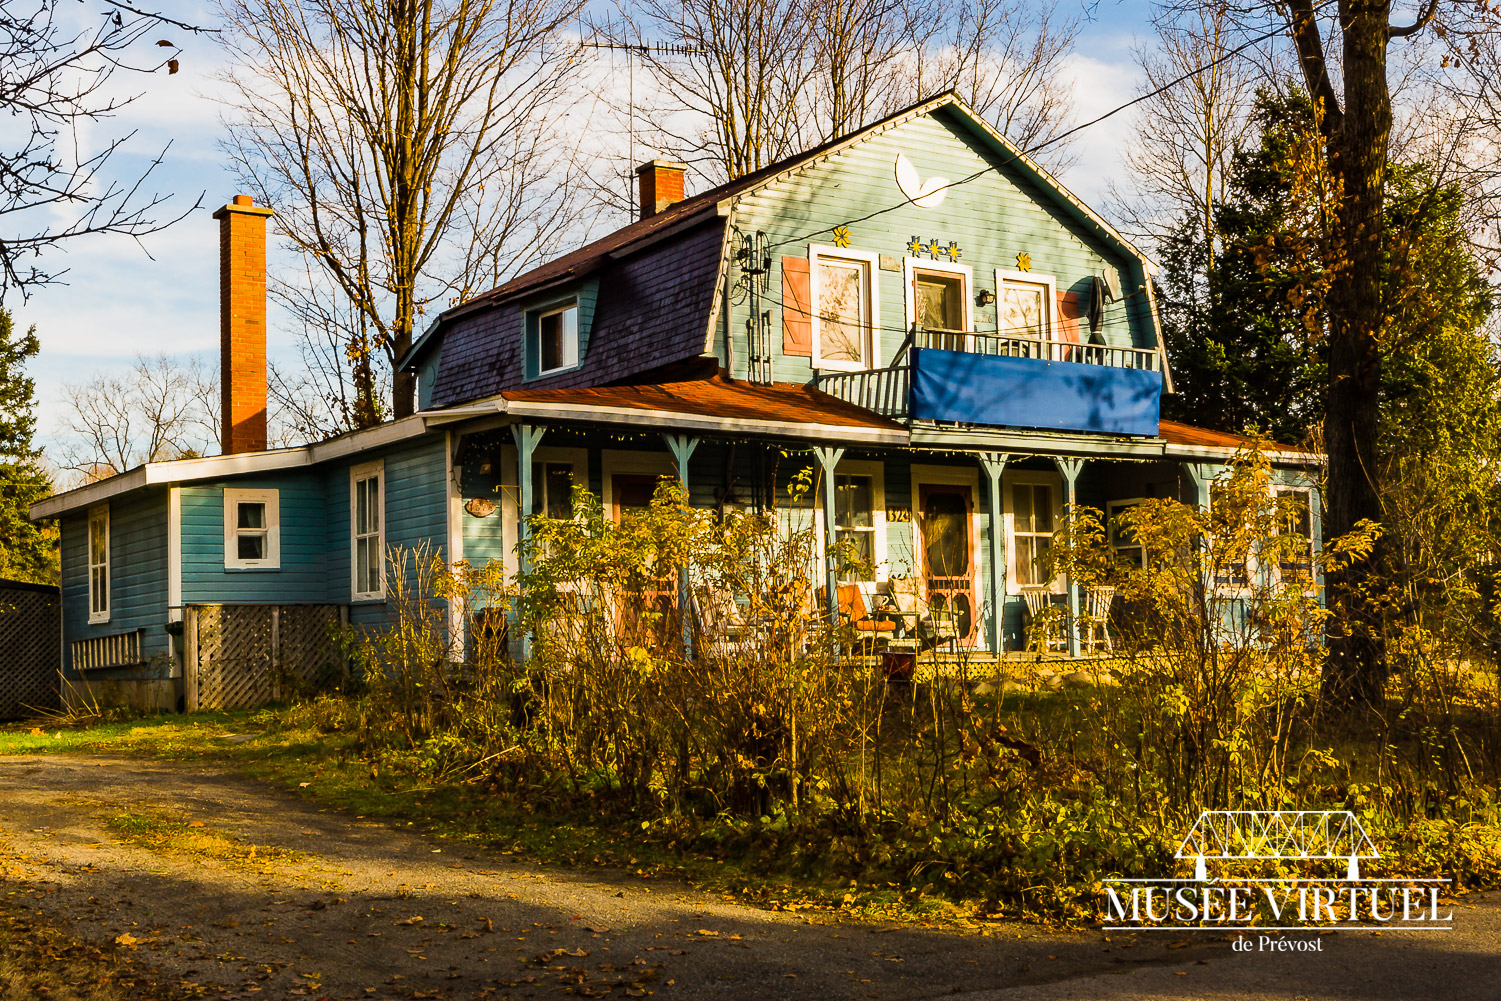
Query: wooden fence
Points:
[30, 648]
[242, 656]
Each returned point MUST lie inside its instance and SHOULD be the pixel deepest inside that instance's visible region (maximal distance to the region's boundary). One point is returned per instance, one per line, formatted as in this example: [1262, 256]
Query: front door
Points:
[946, 537]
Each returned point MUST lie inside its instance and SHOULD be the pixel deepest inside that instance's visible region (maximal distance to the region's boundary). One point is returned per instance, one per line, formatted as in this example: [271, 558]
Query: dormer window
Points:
[557, 339]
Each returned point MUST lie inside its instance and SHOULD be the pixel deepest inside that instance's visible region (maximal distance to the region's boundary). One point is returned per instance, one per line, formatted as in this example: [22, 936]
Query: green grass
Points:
[323, 768]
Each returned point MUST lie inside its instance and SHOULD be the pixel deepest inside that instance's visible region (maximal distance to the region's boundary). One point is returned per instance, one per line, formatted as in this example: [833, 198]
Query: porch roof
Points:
[715, 405]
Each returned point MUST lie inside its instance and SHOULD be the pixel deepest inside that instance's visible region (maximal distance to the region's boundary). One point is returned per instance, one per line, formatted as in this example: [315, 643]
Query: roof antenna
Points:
[650, 52]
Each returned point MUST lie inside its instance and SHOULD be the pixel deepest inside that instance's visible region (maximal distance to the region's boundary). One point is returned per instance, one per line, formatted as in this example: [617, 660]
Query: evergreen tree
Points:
[27, 552]
[1243, 320]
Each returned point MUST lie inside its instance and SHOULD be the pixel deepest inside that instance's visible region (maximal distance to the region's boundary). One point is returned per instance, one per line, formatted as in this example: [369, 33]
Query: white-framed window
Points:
[630, 479]
[1295, 517]
[1231, 571]
[99, 563]
[846, 320]
[552, 488]
[252, 529]
[859, 516]
[939, 301]
[367, 530]
[1123, 540]
[1034, 511]
[1026, 305]
[557, 339]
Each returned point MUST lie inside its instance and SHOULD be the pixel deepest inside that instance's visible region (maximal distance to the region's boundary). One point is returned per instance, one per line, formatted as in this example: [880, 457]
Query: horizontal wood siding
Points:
[416, 512]
[138, 580]
[303, 506]
[992, 219]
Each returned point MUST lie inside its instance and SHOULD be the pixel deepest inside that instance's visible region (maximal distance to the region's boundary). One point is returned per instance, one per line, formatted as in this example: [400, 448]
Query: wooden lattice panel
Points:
[30, 649]
[249, 655]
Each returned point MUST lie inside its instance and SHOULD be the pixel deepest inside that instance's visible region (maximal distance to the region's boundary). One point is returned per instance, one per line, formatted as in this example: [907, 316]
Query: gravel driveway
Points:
[339, 907]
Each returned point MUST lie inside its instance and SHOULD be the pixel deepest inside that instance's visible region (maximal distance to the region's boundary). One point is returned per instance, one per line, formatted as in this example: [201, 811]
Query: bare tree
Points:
[411, 148]
[750, 82]
[160, 408]
[342, 384]
[1178, 157]
[56, 185]
[729, 103]
[1004, 57]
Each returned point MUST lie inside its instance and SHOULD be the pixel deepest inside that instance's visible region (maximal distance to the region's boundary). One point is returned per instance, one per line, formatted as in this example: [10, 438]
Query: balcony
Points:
[1004, 381]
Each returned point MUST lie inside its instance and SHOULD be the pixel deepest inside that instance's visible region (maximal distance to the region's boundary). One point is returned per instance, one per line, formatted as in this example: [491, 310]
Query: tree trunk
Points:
[1355, 673]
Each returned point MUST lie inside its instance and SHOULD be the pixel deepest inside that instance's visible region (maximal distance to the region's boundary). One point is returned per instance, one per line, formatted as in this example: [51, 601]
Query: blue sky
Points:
[122, 298]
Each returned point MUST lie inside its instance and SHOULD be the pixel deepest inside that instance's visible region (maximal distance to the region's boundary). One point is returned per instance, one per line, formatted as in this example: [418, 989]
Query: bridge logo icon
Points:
[1286, 835]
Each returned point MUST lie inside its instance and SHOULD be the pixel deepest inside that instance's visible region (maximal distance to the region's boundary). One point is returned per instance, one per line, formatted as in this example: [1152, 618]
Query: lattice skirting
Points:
[30, 649]
[242, 656]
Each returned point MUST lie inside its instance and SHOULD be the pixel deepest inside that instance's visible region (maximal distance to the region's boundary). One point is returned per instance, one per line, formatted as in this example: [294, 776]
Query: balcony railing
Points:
[888, 391]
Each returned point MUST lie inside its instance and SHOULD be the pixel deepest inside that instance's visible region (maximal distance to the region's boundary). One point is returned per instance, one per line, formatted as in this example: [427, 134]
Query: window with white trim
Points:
[1295, 518]
[367, 524]
[844, 311]
[855, 521]
[1025, 305]
[99, 563]
[1033, 506]
[1230, 568]
[252, 529]
[557, 339]
[552, 489]
[1123, 539]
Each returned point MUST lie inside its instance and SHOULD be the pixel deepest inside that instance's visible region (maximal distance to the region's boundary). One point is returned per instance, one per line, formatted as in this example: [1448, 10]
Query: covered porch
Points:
[948, 521]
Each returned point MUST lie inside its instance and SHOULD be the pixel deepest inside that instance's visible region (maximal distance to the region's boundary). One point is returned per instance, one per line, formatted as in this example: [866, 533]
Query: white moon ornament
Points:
[924, 194]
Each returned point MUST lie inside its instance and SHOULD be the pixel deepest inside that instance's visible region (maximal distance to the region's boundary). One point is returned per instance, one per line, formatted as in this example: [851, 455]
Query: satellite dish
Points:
[924, 194]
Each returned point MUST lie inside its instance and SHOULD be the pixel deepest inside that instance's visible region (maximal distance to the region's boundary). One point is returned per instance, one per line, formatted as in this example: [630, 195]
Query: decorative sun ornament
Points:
[1024, 261]
[841, 236]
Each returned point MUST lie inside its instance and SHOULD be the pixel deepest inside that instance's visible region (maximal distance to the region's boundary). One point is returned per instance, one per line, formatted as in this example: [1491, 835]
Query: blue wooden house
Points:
[957, 344]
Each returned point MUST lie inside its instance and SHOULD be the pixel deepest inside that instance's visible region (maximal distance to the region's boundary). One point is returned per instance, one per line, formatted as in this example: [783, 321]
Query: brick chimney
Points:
[660, 184]
[242, 325]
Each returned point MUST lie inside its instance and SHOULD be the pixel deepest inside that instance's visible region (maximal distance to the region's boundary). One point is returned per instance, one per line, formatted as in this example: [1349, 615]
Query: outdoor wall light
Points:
[984, 297]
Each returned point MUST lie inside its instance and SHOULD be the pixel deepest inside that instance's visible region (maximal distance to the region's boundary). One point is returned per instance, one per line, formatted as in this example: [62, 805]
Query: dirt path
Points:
[329, 905]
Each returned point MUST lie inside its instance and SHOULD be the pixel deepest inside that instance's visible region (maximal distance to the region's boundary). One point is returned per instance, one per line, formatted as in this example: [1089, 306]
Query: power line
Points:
[1062, 135]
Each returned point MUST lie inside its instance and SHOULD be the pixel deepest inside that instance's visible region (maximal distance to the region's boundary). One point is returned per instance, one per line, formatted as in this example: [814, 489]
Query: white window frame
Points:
[620, 462]
[872, 262]
[98, 515]
[912, 265]
[539, 315]
[357, 475]
[876, 470]
[1278, 489]
[1028, 477]
[1253, 565]
[1050, 306]
[1112, 509]
[233, 497]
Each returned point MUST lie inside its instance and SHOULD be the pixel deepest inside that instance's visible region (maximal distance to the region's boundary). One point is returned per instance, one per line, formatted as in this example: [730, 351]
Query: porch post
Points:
[994, 464]
[1198, 474]
[828, 459]
[682, 448]
[527, 436]
[1070, 470]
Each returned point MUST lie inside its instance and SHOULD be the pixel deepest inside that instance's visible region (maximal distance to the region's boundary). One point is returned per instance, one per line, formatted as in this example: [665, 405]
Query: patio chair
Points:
[1043, 621]
[1097, 602]
[870, 628]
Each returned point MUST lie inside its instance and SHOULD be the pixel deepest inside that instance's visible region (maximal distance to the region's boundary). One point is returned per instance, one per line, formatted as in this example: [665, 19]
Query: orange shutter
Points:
[797, 319]
[1068, 316]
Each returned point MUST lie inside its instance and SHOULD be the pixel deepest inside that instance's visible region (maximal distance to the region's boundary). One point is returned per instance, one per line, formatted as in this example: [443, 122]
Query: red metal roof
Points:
[1186, 434]
[717, 396]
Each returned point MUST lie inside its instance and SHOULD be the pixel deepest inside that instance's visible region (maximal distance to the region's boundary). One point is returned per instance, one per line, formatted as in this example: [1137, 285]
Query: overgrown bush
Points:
[677, 670]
